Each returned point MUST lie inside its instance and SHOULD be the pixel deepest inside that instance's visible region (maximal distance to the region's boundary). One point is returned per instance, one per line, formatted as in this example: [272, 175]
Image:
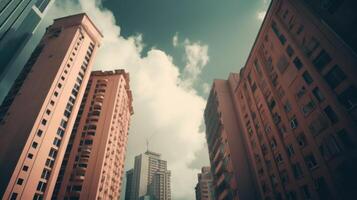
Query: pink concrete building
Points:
[93, 166]
[232, 175]
[38, 114]
[204, 188]
[296, 102]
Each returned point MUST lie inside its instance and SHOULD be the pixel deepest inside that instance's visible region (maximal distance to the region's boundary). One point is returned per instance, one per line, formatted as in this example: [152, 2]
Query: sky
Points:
[173, 50]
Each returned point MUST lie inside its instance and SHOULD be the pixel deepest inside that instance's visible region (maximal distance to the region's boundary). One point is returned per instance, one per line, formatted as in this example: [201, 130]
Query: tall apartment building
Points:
[231, 171]
[204, 188]
[150, 179]
[18, 21]
[93, 165]
[38, 114]
[296, 102]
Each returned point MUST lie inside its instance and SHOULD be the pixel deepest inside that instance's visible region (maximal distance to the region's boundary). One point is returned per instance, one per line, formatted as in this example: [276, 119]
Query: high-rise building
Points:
[38, 114]
[18, 21]
[231, 170]
[129, 183]
[149, 179]
[296, 102]
[93, 165]
[204, 187]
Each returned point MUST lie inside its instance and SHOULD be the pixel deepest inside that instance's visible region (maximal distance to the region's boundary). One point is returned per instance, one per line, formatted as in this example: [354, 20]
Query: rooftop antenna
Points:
[147, 144]
[147, 140]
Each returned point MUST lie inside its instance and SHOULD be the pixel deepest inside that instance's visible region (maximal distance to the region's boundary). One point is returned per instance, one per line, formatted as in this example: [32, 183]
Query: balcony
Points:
[99, 98]
[218, 167]
[220, 153]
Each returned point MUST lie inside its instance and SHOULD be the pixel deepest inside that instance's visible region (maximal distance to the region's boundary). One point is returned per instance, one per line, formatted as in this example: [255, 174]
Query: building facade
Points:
[231, 170]
[149, 179]
[93, 165]
[38, 114]
[18, 21]
[204, 188]
[296, 99]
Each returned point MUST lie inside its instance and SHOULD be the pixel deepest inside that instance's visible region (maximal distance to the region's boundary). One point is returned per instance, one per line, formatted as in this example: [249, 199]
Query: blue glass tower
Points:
[18, 21]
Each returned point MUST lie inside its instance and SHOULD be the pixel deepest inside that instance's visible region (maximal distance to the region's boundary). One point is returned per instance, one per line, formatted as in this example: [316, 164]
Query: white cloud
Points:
[206, 88]
[175, 40]
[261, 15]
[163, 107]
[196, 56]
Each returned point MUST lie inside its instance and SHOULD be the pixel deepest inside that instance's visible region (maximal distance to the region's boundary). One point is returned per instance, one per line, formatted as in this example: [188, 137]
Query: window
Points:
[25, 168]
[77, 188]
[59, 85]
[57, 142]
[309, 107]
[273, 143]
[56, 94]
[290, 150]
[254, 87]
[318, 95]
[62, 78]
[284, 177]
[301, 140]
[13, 196]
[41, 186]
[48, 111]
[44, 122]
[52, 102]
[279, 158]
[329, 147]
[287, 106]
[331, 114]
[335, 76]
[53, 153]
[289, 50]
[60, 132]
[39, 133]
[310, 161]
[46, 174]
[280, 36]
[318, 124]
[298, 64]
[322, 60]
[30, 155]
[63, 123]
[34, 145]
[307, 78]
[38, 196]
[348, 98]
[297, 170]
[50, 163]
[19, 181]
[88, 142]
[293, 123]
[311, 46]
[301, 92]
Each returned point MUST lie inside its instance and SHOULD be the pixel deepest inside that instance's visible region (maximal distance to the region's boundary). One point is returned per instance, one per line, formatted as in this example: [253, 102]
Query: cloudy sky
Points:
[173, 49]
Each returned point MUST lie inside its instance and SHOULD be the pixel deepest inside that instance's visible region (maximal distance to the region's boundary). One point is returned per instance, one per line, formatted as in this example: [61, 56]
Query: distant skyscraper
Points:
[18, 20]
[230, 166]
[93, 165]
[149, 179]
[296, 102]
[204, 188]
[129, 183]
[38, 114]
